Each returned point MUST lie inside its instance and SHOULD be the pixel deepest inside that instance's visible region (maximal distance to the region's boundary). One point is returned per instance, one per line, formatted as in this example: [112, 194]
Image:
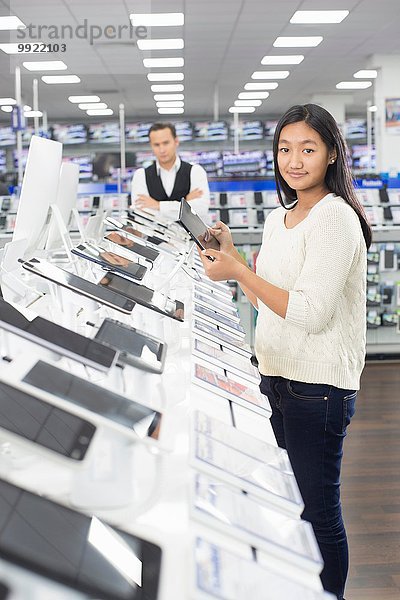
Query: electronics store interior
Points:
[146, 149]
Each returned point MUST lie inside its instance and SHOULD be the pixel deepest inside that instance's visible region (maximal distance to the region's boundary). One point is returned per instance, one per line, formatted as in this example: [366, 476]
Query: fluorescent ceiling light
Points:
[77, 99]
[157, 19]
[45, 65]
[98, 112]
[7, 101]
[270, 74]
[248, 102]
[8, 23]
[153, 63]
[353, 85]
[7, 108]
[178, 87]
[27, 108]
[290, 59]
[373, 108]
[242, 109]
[171, 111]
[261, 86]
[298, 42]
[160, 97]
[253, 95]
[366, 74]
[176, 104]
[94, 105]
[319, 16]
[61, 79]
[165, 76]
[33, 113]
[166, 44]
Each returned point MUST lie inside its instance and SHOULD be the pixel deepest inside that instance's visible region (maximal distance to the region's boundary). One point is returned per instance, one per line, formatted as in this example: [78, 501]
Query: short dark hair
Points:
[338, 176]
[159, 126]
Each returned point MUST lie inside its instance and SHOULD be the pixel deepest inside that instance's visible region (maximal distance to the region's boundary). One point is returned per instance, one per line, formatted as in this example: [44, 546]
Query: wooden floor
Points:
[371, 487]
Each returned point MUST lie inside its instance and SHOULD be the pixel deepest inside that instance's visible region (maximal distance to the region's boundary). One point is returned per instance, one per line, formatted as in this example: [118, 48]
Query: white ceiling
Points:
[224, 43]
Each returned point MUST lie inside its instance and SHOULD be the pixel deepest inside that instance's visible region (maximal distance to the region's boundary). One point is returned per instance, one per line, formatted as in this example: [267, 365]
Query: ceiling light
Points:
[45, 65]
[242, 109]
[176, 104]
[61, 79]
[270, 74]
[298, 42]
[261, 86]
[94, 105]
[7, 108]
[353, 85]
[253, 95]
[366, 74]
[178, 87]
[166, 44]
[98, 112]
[165, 76]
[7, 101]
[77, 99]
[171, 111]
[33, 113]
[372, 108]
[248, 102]
[153, 63]
[8, 23]
[319, 16]
[157, 19]
[292, 59]
[27, 108]
[159, 97]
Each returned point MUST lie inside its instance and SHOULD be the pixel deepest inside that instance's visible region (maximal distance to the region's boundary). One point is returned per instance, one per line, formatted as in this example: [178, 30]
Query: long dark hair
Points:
[338, 176]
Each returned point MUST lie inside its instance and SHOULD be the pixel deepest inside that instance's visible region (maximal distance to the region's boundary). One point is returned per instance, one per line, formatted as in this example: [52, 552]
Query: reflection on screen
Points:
[76, 549]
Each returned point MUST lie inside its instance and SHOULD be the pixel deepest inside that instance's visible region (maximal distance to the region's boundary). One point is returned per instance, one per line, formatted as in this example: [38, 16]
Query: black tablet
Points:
[196, 228]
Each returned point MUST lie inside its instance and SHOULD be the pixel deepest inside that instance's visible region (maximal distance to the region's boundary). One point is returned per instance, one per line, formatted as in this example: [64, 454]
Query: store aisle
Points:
[371, 487]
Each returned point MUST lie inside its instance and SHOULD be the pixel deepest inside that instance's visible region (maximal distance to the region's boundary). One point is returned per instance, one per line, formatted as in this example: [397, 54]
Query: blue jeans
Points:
[310, 421]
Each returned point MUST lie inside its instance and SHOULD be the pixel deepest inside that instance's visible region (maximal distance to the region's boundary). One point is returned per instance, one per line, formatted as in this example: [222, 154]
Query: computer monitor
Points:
[39, 190]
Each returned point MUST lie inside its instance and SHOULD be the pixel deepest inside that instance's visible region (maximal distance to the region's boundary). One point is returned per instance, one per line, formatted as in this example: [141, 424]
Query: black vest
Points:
[181, 185]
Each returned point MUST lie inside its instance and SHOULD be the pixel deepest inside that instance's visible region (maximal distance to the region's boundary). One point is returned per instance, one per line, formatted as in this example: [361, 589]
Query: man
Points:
[168, 179]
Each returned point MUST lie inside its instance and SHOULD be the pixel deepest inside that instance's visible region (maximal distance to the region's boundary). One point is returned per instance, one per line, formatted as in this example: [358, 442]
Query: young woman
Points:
[310, 293]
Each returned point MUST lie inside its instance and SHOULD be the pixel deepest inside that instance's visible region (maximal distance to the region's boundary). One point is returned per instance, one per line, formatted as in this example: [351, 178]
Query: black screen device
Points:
[145, 296]
[260, 217]
[387, 213]
[223, 199]
[136, 348]
[79, 285]
[128, 414]
[80, 551]
[96, 202]
[56, 338]
[389, 259]
[224, 215]
[110, 260]
[383, 195]
[196, 228]
[140, 249]
[4, 591]
[258, 198]
[44, 424]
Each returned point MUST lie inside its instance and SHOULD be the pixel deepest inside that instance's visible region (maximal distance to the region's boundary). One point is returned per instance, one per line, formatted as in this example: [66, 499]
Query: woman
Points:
[310, 292]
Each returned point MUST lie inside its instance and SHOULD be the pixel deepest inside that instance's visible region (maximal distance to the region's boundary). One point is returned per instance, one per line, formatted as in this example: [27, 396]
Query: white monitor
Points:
[65, 201]
[39, 190]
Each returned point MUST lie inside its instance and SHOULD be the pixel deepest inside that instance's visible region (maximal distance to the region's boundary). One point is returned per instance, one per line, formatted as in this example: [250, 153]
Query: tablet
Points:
[78, 285]
[144, 296]
[80, 551]
[110, 260]
[119, 239]
[195, 227]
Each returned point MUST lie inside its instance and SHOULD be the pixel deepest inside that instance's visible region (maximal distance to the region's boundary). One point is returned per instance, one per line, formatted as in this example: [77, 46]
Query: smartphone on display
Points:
[80, 551]
[128, 416]
[144, 296]
[230, 362]
[121, 240]
[196, 228]
[79, 285]
[110, 261]
[222, 337]
[209, 315]
[57, 338]
[137, 233]
[44, 424]
[136, 348]
[212, 301]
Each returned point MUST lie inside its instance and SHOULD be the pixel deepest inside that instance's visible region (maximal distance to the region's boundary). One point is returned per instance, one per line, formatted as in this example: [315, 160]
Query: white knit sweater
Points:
[322, 263]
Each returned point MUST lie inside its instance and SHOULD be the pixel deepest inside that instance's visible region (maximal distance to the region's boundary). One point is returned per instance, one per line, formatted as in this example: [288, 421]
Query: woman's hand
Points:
[223, 234]
[223, 266]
